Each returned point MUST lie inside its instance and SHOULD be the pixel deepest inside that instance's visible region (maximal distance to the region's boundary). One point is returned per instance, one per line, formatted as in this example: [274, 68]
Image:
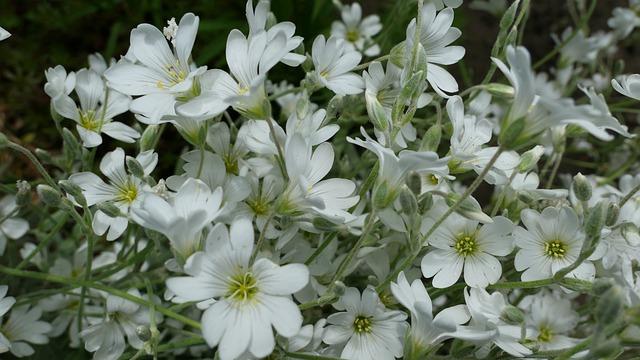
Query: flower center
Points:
[545, 334]
[433, 179]
[128, 193]
[175, 73]
[555, 249]
[88, 120]
[353, 35]
[465, 245]
[362, 324]
[259, 206]
[243, 287]
[231, 164]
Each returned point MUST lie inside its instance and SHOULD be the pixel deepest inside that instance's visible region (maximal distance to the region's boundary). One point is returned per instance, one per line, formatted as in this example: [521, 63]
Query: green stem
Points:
[629, 195]
[79, 283]
[366, 65]
[256, 249]
[474, 185]
[321, 248]
[297, 355]
[285, 92]
[554, 170]
[24, 151]
[281, 161]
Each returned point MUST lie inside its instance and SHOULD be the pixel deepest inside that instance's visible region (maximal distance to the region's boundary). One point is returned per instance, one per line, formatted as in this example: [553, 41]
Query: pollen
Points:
[128, 193]
[362, 324]
[88, 121]
[352, 35]
[545, 334]
[466, 245]
[243, 287]
[555, 249]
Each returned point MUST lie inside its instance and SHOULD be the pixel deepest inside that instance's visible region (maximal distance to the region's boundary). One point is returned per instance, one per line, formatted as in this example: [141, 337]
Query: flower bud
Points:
[500, 90]
[512, 315]
[426, 202]
[414, 183]
[339, 287]
[335, 106]
[323, 224]
[44, 156]
[381, 196]
[377, 114]
[469, 208]
[149, 137]
[109, 209]
[601, 286]
[431, 139]
[48, 195]
[605, 349]
[396, 55]
[143, 333]
[508, 16]
[594, 223]
[582, 187]
[408, 201]
[134, 167]
[71, 144]
[23, 196]
[530, 158]
[609, 307]
[73, 190]
[613, 210]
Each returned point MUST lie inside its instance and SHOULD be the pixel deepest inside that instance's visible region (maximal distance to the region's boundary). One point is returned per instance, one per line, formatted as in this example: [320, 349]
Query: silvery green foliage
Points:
[371, 211]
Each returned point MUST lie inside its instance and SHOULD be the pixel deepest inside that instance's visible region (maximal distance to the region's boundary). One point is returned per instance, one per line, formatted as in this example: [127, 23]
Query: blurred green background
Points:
[48, 33]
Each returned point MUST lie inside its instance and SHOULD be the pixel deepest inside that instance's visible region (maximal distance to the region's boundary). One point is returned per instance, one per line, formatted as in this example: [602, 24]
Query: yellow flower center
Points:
[545, 334]
[353, 35]
[555, 249]
[465, 245]
[128, 193]
[231, 164]
[175, 73]
[362, 324]
[243, 287]
[88, 121]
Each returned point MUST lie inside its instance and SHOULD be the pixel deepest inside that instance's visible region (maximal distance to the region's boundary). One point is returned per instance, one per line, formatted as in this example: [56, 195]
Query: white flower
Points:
[460, 245]
[247, 299]
[182, 217]
[486, 313]
[22, 328]
[582, 49]
[624, 21]
[106, 336]
[356, 31]
[395, 168]
[4, 34]
[521, 77]
[124, 190]
[436, 36]
[160, 75]
[12, 227]
[59, 82]
[549, 319]
[98, 106]
[311, 127]
[333, 62]
[629, 85]
[527, 183]
[427, 330]
[306, 169]
[366, 329]
[551, 241]
[467, 139]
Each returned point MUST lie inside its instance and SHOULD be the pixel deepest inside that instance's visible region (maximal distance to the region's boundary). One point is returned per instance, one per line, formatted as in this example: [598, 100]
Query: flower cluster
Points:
[370, 211]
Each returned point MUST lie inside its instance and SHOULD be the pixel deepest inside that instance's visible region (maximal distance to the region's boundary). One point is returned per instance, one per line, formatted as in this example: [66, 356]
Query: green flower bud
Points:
[408, 201]
[149, 137]
[134, 167]
[73, 190]
[602, 285]
[414, 183]
[426, 202]
[378, 115]
[508, 16]
[613, 210]
[411, 87]
[71, 144]
[431, 138]
[500, 90]
[143, 333]
[530, 158]
[582, 187]
[335, 106]
[323, 224]
[594, 224]
[3, 140]
[48, 195]
[339, 287]
[44, 156]
[396, 55]
[512, 315]
[609, 307]
[382, 196]
[109, 209]
[23, 197]
[469, 208]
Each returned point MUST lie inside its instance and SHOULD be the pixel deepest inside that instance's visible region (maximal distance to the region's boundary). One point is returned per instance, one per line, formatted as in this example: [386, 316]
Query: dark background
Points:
[48, 33]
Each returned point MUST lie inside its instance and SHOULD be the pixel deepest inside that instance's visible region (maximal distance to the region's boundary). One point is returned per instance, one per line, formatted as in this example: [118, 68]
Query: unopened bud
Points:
[594, 223]
[500, 90]
[609, 307]
[71, 144]
[414, 183]
[134, 167]
[582, 187]
[143, 333]
[323, 224]
[396, 55]
[48, 195]
[530, 158]
[377, 114]
[109, 209]
[426, 202]
[512, 315]
[149, 137]
[44, 156]
[508, 16]
[23, 197]
[408, 201]
[469, 208]
[431, 139]
[613, 210]
[73, 190]
[601, 286]
[339, 287]
[335, 106]
[382, 196]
